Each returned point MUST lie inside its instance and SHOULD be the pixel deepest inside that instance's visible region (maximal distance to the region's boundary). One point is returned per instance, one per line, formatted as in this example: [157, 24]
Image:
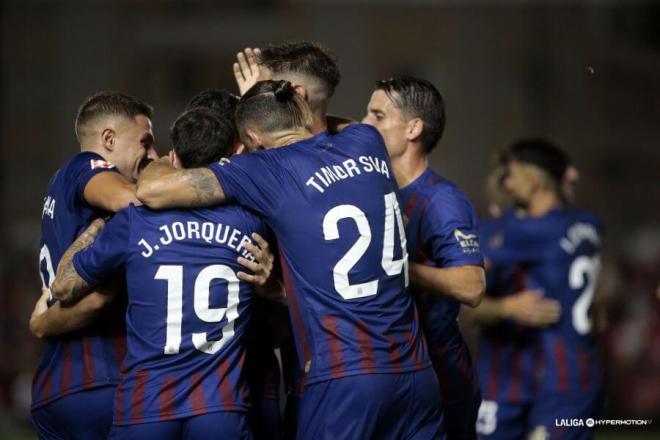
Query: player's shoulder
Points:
[442, 191]
[576, 215]
[236, 215]
[88, 160]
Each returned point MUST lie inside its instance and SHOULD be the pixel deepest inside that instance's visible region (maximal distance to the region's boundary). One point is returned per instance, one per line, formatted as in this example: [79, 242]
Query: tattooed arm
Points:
[160, 187]
[68, 286]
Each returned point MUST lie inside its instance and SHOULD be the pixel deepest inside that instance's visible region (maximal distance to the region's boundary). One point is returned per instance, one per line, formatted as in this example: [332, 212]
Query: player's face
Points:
[133, 150]
[519, 182]
[389, 121]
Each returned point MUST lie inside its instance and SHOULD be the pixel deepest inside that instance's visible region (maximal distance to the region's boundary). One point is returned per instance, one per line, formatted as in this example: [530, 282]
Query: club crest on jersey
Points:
[469, 242]
[99, 163]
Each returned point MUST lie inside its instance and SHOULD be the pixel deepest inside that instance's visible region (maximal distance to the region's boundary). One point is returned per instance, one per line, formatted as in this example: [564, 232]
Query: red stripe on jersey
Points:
[494, 376]
[88, 363]
[410, 206]
[245, 395]
[66, 368]
[516, 376]
[46, 384]
[166, 399]
[583, 361]
[365, 342]
[119, 348]
[137, 401]
[421, 241]
[562, 366]
[395, 355]
[197, 401]
[466, 371]
[226, 395]
[119, 404]
[294, 308]
[335, 352]
[410, 338]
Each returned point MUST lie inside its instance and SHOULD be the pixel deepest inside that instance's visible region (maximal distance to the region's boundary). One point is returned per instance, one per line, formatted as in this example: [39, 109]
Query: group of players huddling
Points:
[167, 280]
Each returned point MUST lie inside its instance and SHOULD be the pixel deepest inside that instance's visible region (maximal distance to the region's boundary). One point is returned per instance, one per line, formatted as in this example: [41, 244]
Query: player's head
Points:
[200, 137]
[270, 112]
[220, 101]
[407, 112]
[310, 67]
[532, 166]
[118, 127]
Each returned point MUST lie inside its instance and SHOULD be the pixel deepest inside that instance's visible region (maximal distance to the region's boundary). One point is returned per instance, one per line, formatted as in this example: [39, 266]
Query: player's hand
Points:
[262, 267]
[246, 69]
[530, 308]
[39, 309]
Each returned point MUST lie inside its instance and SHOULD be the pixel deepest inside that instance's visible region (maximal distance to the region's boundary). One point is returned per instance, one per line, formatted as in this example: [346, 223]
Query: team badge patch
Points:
[99, 163]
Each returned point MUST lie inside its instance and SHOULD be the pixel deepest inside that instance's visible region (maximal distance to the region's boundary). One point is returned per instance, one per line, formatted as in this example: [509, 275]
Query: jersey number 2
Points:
[589, 267]
[174, 277]
[391, 266]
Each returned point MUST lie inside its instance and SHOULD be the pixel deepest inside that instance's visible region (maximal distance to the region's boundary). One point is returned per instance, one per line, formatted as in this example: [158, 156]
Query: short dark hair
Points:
[108, 103]
[544, 154]
[271, 106]
[220, 101]
[303, 57]
[200, 137]
[418, 98]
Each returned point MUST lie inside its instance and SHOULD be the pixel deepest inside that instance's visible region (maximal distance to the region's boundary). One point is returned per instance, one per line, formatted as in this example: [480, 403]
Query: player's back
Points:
[187, 311]
[91, 357]
[560, 253]
[332, 202]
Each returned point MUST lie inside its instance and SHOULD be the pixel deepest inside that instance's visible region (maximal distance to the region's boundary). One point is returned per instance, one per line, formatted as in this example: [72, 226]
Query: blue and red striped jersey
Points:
[560, 254]
[509, 353]
[331, 200]
[441, 226]
[91, 357]
[187, 310]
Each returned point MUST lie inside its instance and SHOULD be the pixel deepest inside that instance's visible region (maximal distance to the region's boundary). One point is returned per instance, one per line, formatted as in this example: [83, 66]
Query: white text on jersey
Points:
[327, 175]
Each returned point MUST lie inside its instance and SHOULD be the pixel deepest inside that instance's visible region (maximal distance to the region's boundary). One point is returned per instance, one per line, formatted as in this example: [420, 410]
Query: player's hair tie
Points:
[283, 91]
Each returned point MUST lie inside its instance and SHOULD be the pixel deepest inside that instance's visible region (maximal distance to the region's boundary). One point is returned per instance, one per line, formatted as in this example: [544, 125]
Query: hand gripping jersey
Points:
[559, 253]
[91, 357]
[187, 310]
[332, 203]
[509, 353]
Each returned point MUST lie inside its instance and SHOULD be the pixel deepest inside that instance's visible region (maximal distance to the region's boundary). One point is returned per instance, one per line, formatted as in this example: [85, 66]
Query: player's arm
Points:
[68, 285]
[110, 191]
[60, 319]
[527, 307]
[465, 284]
[160, 187]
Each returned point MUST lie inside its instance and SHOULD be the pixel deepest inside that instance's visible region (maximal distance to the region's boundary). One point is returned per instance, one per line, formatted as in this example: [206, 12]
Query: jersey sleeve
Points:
[88, 166]
[451, 229]
[108, 253]
[251, 181]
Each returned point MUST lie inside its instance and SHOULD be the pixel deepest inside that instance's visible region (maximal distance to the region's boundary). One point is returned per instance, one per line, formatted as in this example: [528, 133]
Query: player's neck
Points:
[87, 148]
[319, 123]
[542, 202]
[408, 167]
[283, 138]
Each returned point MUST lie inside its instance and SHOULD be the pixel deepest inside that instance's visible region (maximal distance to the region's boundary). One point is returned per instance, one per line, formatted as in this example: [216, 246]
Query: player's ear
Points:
[108, 139]
[414, 129]
[174, 159]
[254, 141]
[301, 90]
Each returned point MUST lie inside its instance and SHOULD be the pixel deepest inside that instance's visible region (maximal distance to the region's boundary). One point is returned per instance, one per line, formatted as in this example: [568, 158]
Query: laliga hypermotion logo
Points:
[469, 242]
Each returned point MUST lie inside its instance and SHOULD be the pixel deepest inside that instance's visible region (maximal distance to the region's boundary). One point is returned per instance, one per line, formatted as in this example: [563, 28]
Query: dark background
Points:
[583, 73]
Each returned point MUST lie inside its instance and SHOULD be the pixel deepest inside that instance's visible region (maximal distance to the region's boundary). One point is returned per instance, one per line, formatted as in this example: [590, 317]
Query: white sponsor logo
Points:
[469, 242]
[98, 163]
[590, 423]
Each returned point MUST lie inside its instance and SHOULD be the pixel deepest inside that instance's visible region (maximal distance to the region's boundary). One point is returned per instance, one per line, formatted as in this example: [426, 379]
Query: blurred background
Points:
[583, 73]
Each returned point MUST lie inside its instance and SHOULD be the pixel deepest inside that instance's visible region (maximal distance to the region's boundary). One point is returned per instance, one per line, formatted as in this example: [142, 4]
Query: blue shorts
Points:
[499, 420]
[226, 425]
[369, 406]
[84, 415]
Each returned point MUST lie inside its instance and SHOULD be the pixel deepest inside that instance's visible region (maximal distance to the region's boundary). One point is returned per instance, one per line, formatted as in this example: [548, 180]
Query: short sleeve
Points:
[250, 180]
[87, 166]
[108, 253]
[451, 229]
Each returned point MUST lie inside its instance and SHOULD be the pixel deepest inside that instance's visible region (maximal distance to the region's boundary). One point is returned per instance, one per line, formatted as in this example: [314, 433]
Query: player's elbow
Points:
[473, 294]
[149, 194]
[122, 200]
[37, 328]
